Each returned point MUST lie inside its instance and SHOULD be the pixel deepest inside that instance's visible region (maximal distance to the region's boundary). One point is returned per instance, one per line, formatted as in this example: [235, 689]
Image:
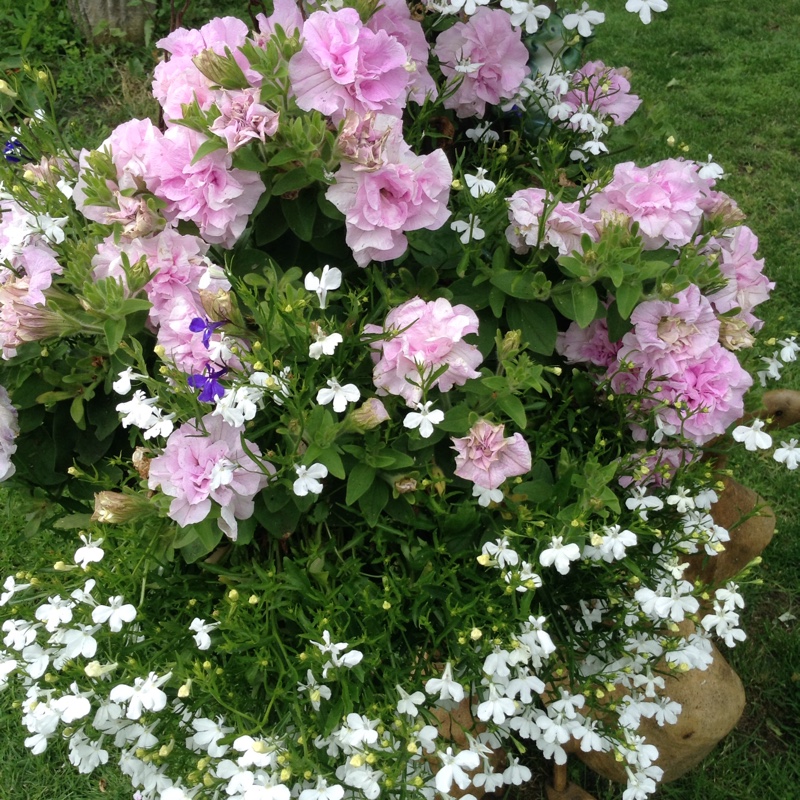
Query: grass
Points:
[720, 76]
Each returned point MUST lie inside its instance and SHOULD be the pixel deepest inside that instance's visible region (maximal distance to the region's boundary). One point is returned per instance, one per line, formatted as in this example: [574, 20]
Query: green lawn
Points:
[721, 77]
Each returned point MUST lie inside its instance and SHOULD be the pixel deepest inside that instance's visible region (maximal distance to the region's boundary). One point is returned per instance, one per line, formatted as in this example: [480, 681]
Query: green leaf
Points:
[300, 215]
[77, 411]
[73, 522]
[245, 158]
[515, 284]
[207, 147]
[627, 297]
[537, 323]
[373, 502]
[284, 157]
[114, 330]
[297, 178]
[577, 302]
[513, 406]
[359, 480]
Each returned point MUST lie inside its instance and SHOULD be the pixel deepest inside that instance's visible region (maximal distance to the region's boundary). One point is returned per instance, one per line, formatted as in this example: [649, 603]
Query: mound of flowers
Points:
[368, 392]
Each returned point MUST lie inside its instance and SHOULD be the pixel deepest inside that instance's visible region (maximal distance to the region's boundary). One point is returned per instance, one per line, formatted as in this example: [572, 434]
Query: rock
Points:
[712, 701]
[751, 525]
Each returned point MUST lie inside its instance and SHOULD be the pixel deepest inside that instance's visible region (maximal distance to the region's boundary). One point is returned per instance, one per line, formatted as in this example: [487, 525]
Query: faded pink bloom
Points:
[22, 320]
[666, 333]
[405, 193]
[426, 337]
[486, 458]
[711, 391]
[747, 285]
[178, 262]
[563, 229]
[206, 463]
[345, 66]
[591, 344]
[178, 82]
[484, 58]
[394, 17]
[605, 91]
[134, 147]
[663, 198]
[369, 414]
[286, 15]
[243, 119]
[361, 143]
[210, 192]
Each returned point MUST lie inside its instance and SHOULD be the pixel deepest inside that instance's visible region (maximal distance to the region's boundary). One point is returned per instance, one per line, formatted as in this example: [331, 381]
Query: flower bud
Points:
[222, 70]
[369, 415]
[115, 507]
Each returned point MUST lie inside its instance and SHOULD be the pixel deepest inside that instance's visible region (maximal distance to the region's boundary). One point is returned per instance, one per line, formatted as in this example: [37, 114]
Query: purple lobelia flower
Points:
[199, 324]
[210, 387]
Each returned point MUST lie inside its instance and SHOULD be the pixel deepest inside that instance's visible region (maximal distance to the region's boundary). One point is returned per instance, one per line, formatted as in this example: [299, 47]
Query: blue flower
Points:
[13, 151]
[199, 324]
[208, 383]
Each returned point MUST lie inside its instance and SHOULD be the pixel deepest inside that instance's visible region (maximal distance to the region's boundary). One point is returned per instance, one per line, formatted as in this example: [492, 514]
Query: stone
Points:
[751, 525]
[712, 702]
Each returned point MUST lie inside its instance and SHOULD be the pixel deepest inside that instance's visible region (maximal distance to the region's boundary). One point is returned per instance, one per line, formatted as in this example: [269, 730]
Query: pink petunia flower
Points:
[486, 458]
[344, 66]
[604, 90]
[427, 336]
[664, 198]
[177, 81]
[201, 465]
[404, 193]
[483, 59]
[210, 192]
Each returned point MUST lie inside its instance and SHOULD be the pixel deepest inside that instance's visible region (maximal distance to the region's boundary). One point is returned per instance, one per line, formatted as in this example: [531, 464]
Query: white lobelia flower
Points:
[644, 9]
[54, 613]
[201, 630]
[407, 704]
[85, 753]
[322, 791]
[479, 184]
[11, 587]
[753, 436]
[788, 453]
[682, 500]
[710, 171]
[160, 424]
[446, 687]
[469, 229]
[138, 411]
[789, 349]
[526, 12]
[339, 395]
[642, 503]
[330, 280]
[584, 19]
[144, 695]
[317, 692]
[207, 734]
[324, 344]
[90, 552]
[115, 613]
[423, 419]
[483, 133]
[560, 555]
[486, 496]
[122, 385]
[454, 769]
[500, 552]
[773, 370]
[51, 227]
[78, 641]
[308, 479]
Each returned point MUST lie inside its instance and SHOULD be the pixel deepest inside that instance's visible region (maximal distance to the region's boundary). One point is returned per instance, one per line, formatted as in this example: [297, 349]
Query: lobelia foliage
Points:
[389, 393]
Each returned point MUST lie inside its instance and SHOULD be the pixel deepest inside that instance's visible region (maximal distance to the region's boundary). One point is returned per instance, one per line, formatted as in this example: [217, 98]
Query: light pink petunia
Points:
[484, 61]
[487, 458]
[201, 465]
[426, 336]
[344, 66]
